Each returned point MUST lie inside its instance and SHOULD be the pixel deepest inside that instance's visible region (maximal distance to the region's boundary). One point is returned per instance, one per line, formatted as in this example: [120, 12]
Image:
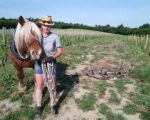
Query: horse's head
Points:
[28, 38]
[34, 47]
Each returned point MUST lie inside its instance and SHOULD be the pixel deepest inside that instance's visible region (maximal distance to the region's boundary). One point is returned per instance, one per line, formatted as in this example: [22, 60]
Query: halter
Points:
[23, 56]
[27, 55]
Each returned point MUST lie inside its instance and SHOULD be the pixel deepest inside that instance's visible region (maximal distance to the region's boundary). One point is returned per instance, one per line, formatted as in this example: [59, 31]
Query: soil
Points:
[89, 75]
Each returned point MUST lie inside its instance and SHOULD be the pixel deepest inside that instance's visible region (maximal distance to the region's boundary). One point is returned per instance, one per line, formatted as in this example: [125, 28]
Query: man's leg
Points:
[38, 87]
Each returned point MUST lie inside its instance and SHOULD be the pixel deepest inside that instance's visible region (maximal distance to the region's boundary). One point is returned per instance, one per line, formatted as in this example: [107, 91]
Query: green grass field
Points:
[105, 97]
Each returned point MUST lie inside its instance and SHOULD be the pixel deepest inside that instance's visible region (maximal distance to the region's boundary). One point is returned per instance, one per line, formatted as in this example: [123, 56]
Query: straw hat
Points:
[46, 20]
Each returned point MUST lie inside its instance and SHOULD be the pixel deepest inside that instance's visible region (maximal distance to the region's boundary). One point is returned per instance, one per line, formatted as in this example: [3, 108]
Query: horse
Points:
[25, 49]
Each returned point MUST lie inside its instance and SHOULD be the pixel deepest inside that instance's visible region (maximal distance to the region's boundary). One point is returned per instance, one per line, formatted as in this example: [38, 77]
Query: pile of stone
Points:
[106, 70]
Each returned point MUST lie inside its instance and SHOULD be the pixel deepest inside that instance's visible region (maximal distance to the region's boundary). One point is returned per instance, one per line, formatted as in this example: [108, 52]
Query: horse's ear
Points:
[38, 23]
[21, 21]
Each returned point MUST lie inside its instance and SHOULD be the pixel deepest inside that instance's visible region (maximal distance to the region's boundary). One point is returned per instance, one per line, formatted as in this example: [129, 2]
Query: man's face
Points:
[45, 29]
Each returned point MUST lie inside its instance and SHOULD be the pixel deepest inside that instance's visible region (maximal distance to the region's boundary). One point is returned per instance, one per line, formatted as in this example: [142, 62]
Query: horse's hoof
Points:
[21, 89]
[37, 117]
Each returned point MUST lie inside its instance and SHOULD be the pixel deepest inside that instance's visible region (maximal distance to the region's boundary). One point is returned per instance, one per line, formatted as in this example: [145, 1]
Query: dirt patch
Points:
[105, 69]
[109, 68]
[6, 106]
[81, 67]
[80, 92]
[70, 111]
[131, 88]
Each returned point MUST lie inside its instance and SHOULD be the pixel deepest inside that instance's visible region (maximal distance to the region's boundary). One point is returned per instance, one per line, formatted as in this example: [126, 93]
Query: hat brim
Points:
[48, 24]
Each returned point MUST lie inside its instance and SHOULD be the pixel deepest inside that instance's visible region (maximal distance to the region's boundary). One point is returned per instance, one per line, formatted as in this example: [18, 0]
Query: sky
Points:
[131, 13]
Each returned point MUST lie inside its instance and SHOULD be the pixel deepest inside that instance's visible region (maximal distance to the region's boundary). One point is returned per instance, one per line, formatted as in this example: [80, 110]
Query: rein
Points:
[48, 74]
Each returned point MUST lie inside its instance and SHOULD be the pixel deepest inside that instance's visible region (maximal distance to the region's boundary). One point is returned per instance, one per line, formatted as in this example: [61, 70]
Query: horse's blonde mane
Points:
[22, 34]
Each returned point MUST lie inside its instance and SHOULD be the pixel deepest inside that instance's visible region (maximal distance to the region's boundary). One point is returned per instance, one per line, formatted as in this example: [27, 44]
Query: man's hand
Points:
[48, 59]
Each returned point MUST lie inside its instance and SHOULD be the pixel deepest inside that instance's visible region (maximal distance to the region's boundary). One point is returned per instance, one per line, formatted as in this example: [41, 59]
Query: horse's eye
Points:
[34, 52]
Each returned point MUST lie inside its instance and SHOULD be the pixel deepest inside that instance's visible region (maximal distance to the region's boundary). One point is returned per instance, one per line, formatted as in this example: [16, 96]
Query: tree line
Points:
[120, 29]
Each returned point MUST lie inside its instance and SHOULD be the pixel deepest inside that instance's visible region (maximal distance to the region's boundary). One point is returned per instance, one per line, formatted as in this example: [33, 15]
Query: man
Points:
[52, 50]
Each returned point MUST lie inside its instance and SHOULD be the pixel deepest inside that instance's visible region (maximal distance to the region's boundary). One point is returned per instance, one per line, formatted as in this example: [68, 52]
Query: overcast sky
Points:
[132, 13]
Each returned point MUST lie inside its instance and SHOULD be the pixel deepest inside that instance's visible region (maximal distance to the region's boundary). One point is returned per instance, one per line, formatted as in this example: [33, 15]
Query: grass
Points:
[144, 89]
[76, 52]
[101, 87]
[3, 49]
[105, 110]
[114, 98]
[22, 114]
[130, 109]
[120, 85]
[119, 117]
[140, 41]
[75, 49]
[9, 85]
[145, 115]
[8, 82]
[87, 102]
[140, 99]
[133, 54]
[142, 72]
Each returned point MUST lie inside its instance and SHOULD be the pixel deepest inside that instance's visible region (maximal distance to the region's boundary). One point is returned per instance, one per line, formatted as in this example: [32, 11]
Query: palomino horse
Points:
[25, 48]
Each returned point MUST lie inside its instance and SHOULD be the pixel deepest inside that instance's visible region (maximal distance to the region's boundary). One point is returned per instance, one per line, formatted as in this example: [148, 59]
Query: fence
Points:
[5, 36]
[141, 41]
[67, 37]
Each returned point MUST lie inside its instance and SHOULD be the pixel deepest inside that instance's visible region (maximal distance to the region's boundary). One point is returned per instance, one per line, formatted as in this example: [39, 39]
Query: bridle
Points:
[27, 54]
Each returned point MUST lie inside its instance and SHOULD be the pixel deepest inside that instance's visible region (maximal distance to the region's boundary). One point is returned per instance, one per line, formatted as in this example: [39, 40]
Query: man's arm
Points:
[58, 53]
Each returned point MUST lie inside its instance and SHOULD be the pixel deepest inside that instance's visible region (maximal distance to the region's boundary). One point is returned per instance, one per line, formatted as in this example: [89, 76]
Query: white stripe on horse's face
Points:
[22, 37]
[35, 50]
[34, 55]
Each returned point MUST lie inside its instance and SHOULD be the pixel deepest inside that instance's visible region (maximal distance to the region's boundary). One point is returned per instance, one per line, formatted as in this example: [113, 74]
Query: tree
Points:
[145, 26]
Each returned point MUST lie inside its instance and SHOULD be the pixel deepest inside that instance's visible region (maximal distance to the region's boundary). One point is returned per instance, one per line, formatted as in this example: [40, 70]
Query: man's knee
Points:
[39, 81]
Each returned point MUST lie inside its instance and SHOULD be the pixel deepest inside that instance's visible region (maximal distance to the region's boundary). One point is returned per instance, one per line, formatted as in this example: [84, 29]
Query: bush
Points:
[142, 72]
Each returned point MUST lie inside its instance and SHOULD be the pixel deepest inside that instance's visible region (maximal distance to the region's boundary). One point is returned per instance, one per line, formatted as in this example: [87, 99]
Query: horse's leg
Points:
[20, 75]
[17, 64]
[22, 84]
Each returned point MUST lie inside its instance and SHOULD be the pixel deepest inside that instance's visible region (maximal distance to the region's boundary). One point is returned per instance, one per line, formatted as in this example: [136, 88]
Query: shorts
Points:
[38, 68]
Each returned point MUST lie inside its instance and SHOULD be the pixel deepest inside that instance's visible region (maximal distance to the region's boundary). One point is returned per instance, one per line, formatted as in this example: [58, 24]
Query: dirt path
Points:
[6, 106]
[71, 111]
[109, 65]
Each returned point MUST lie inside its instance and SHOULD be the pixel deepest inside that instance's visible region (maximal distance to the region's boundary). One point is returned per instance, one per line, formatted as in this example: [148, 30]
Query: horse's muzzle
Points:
[35, 55]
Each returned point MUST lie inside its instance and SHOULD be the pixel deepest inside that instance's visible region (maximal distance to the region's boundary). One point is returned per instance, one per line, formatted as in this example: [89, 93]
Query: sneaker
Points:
[39, 110]
[37, 117]
[53, 110]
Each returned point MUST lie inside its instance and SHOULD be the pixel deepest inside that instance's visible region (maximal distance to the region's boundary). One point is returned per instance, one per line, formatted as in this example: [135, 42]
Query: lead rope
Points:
[49, 80]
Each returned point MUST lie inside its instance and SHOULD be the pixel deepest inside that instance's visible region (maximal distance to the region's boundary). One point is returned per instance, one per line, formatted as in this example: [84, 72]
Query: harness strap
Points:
[16, 52]
[43, 51]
